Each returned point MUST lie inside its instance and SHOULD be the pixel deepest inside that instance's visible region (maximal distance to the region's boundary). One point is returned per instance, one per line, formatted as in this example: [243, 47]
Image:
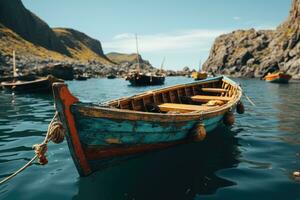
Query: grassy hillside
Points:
[10, 41]
[121, 57]
[81, 46]
[32, 38]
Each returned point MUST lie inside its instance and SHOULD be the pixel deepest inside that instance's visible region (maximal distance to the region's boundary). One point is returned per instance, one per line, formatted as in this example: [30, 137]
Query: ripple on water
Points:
[255, 159]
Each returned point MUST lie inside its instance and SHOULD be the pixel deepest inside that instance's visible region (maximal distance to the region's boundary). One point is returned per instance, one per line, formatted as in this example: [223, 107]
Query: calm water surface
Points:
[253, 160]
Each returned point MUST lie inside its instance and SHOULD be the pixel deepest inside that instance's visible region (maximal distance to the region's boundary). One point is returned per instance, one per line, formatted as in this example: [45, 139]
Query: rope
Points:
[253, 104]
[248, 98]
[55, 133]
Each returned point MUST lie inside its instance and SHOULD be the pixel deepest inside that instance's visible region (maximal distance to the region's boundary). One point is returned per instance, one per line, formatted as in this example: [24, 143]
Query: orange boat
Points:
[278, 77]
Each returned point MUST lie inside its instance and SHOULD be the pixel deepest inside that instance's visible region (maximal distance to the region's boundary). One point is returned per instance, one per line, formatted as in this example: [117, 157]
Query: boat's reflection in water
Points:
[180, 172]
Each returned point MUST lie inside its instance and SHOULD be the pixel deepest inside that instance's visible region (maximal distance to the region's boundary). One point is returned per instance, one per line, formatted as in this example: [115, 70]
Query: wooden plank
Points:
[205, 98]
[183, 107]
[170, 96]
[214, 90]
[154, 98]
[132, 105]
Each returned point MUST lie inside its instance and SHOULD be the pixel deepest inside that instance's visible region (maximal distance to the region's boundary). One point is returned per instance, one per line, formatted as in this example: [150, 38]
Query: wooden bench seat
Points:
[205, 99]
[166, 107]
[214, 90]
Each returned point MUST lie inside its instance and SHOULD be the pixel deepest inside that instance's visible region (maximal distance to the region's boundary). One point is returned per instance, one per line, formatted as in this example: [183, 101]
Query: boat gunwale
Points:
[117, 113]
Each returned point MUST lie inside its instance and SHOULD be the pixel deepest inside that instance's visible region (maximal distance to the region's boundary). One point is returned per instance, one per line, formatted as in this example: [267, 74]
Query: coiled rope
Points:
[55, 134]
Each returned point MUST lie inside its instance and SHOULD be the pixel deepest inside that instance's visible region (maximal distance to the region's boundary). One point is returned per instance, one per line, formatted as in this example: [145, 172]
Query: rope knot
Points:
[40, 150]
[56, 132]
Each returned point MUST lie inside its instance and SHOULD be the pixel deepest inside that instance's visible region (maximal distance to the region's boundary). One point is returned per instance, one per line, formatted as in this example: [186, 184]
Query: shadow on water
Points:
[180, 172]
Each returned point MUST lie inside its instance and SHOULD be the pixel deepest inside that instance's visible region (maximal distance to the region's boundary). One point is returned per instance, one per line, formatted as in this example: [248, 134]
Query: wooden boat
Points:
[28, 83]
[41, 84]
[80, 77]
[100, 135]
[141, 79]
[278, 77]
[199, 75]
[136, 78]
[111, 76]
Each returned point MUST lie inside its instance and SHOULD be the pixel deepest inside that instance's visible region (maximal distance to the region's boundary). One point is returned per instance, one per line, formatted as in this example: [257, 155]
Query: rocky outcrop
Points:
[251, 53]
[129, 62]
[119, 58]
[16, 17]
[36, 43]
[62, 52]
[61, 71]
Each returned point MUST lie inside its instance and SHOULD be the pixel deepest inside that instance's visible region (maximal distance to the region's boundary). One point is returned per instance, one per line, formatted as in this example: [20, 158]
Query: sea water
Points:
[255, 159]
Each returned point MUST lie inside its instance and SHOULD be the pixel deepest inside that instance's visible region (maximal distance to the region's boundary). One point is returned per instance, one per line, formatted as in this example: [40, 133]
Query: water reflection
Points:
[289, 112]
[180, 172]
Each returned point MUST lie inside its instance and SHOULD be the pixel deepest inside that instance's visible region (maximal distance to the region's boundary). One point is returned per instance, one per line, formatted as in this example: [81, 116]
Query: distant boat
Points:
[137, 78]
[278, 77]
[111, 76]
[28, 83]
[142, 79]
[41, 84]
[199, 75]
[100, 135]
[81, 77]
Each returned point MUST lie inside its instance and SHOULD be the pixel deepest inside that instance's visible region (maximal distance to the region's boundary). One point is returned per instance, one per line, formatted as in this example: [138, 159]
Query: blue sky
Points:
[181, 31]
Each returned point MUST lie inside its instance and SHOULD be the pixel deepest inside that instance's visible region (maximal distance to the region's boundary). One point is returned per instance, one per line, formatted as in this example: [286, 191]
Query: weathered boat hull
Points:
[142, 80]
[99, 136]
[278, 78]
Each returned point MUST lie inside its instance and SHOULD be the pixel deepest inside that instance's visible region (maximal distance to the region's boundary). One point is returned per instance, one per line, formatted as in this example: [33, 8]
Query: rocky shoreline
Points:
[253, 54]
[68, 70]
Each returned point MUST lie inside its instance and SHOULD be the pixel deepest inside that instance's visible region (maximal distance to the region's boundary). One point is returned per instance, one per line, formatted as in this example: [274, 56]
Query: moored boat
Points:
[137, 78]
[278, 77]
[28, 83]
[99, 135]
[142, 79]
[111, 76]
[41, 84]
[81, 77]
[199, 75]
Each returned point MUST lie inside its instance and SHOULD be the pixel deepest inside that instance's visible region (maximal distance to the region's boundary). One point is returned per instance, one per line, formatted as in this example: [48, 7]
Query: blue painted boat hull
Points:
[100, 136]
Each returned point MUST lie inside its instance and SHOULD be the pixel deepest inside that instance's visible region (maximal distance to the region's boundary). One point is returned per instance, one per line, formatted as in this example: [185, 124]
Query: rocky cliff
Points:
[119, 58]
[251, 53]
[36, 43]
[16, 17]
[80, 45]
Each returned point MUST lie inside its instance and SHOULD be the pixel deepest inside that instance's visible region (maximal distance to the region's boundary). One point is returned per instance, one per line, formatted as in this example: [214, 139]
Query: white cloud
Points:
[197, 39]
[237, 18]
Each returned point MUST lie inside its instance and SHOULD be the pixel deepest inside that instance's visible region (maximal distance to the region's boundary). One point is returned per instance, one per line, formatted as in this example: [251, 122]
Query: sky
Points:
[182, 31]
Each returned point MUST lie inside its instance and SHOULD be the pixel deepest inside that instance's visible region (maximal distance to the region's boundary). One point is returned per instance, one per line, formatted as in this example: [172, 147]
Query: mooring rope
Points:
[248, 98]
[55, 133]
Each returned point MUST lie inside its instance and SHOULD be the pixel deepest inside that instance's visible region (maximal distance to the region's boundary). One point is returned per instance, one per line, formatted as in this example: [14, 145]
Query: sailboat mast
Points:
[200, 66]
[162, 64]
[14, 65]
[137, 53]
